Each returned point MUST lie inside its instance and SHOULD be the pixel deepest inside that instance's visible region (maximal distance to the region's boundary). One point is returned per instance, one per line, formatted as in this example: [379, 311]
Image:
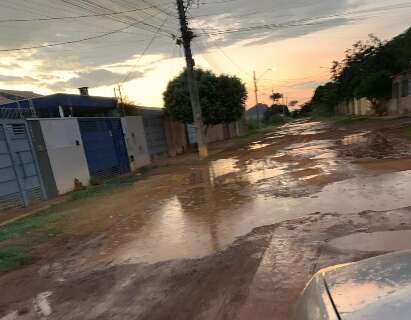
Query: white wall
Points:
[66, 153]
[136, 142]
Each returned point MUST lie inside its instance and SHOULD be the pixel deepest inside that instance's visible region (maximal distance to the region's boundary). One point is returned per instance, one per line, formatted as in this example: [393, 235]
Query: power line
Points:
[307, 21]
[91, 7]
[225, 55]
[76, 17]
[144, 51]
[69, 42]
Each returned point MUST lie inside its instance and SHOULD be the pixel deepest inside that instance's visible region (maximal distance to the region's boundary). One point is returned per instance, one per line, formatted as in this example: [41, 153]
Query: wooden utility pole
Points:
[186, 37]
[256, 96]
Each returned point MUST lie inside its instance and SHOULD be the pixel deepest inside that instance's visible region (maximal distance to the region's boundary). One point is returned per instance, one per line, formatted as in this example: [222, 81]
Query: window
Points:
[405, 88]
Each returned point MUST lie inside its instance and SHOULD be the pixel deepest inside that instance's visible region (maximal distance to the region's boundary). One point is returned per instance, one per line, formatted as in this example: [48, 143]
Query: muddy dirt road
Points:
[235, 237]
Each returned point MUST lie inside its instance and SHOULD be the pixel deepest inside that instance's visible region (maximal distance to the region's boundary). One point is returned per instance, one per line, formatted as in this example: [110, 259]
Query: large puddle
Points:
[374, 242]
[236, 194]
[207, 220]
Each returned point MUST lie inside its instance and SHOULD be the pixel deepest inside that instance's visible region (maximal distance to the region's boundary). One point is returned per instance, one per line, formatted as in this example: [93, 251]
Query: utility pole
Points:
[256, 97]
[186, 37]
[121, 100]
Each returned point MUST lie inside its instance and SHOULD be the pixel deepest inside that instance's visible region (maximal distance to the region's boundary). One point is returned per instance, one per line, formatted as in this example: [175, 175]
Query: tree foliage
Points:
[293, 103]
[365, 72]
[275, 96]
[222, 98]
[275, 113]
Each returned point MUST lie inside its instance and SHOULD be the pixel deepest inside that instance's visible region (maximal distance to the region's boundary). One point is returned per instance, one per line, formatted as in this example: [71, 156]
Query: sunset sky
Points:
[299, 41]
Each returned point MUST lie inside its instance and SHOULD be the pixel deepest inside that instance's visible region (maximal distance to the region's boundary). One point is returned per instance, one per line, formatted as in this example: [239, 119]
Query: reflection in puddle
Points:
[223, 167]
[237, 194]
[357, 138]
[178, 231]
[256, 146]
[375, 241]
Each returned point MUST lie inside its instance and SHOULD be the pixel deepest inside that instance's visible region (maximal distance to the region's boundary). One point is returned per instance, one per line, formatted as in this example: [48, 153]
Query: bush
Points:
[253, 125]
[275, 119]
[323, 110]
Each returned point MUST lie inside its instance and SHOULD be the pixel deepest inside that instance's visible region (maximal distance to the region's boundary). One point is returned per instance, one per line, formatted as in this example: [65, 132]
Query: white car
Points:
[378, 288]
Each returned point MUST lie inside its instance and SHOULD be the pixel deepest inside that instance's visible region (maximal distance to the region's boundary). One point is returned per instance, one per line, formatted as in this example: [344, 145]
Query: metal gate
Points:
[192, 134]
[154, 128]
[104, 145]
[20, 181]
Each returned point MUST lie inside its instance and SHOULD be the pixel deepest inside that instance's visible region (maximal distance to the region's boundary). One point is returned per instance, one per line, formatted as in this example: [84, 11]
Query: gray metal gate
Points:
[20, 181]
[154, 127]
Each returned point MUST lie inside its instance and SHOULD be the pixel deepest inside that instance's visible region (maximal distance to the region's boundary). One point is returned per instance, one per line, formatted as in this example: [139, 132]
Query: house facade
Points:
[54, 144]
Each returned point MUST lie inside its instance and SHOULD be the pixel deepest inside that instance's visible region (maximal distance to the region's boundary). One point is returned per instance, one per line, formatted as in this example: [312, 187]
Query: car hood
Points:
[376, 288]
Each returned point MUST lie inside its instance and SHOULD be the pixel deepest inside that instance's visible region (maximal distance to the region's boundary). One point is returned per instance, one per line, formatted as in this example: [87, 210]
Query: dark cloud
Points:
[15, 80]
[292, 18]
[95, 78]
[122, 47]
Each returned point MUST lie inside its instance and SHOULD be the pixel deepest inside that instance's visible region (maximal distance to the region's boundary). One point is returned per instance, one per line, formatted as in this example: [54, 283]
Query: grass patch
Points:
[407, 131]
[349, 119]
[36, 221]
[104, 187]
[14, 257]
[254, 127]
[341, 119]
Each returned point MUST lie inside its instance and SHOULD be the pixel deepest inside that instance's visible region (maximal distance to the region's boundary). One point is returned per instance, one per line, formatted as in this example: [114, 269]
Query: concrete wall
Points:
[176, 137]
[136, 142]
[358, 107]
[65, 150]
[215, 133]
[154, 127]
[222, 132]
[43, 158]
[401, 97]
[399, 104]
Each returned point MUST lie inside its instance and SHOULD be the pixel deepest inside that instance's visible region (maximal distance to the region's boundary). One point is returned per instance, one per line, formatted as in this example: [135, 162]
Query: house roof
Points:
[8, 96]
[52, 102]
[258, 109]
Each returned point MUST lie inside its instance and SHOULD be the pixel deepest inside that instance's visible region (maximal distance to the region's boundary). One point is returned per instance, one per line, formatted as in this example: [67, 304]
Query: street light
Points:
[256, 90]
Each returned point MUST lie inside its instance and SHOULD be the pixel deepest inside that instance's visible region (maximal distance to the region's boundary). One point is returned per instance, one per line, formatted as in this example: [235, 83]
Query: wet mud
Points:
[221, 239]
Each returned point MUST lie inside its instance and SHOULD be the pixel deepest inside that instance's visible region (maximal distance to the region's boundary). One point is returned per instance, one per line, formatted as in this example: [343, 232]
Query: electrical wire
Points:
[144, 52]
[106, 34]
[75, 17]
[307, 21]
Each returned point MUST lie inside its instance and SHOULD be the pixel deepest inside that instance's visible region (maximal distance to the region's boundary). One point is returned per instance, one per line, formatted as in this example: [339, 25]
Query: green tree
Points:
[367, 68]
[232, 95]
[222, 98]
[325, 100]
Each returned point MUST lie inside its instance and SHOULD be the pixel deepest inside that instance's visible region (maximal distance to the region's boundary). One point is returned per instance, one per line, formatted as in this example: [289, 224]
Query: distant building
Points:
[256, 112]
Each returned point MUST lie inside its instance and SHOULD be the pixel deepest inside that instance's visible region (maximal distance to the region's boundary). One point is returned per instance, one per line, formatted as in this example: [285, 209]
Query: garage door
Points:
[20, 182]
[104, 146]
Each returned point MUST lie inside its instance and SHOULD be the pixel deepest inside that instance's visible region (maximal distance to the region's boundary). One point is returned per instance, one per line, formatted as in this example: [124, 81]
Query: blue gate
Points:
[20, 181]
[104, 145]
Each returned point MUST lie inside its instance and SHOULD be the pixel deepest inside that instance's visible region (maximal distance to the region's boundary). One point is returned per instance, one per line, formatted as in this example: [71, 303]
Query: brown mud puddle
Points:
[383, 241]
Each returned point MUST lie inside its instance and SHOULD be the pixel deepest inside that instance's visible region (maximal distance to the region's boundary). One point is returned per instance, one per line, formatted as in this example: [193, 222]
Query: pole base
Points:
[202, 152]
